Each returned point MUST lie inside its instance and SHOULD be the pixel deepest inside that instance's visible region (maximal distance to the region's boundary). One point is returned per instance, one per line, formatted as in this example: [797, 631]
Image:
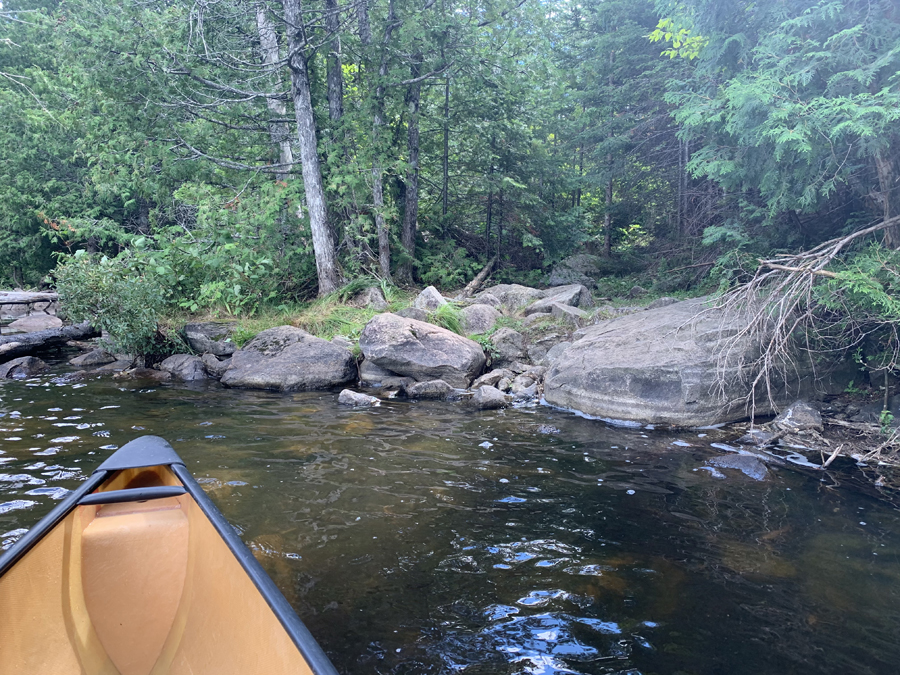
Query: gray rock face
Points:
[96, 357]
[344, 342]
[184, 367]
[144, 374]
[513, 296]
[555, 352]
[636, 292]
[371, 298]
[434, 390]
[349, 397]
[662, 302]
[371, 375]
[574, 296]
[421, 350]
[509, 347]
[488, 398]
[33, 323]
[214, 367]
[660, 366]
[289, 359]
[22, 368]
[581, 268]
[799, 416]
[478, 318]
[429, 300]
[211, 336]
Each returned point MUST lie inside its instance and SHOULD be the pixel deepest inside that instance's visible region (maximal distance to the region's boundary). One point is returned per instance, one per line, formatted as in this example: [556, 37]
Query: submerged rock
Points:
[488, 398]
[421, 350]
[289, 359]
[435, 390]
[349, 397]
[747, 464]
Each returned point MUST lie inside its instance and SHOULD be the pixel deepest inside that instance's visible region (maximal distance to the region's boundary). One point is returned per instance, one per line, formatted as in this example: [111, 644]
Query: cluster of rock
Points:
[664, 364]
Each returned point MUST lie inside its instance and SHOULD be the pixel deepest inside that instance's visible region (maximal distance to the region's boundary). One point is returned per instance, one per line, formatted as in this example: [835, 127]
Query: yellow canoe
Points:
[138, 573]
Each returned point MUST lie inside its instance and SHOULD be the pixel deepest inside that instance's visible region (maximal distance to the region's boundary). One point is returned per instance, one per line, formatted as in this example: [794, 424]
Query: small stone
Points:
[492, 378]
[349, 397]
[370, 298]
[799, 416]
[488, 398]
[636, 292]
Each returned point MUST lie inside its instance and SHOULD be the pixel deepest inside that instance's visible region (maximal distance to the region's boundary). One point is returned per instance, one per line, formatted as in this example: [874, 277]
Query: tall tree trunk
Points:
[889, 183]
[365, 36]
[607, 217]
[323, 242]
[279, 132]
[411, 212]
[445, 186]
[335, 75]
[499, 225]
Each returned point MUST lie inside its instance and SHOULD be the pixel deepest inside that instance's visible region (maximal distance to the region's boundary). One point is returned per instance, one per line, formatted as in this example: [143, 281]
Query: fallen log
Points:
[24, 344]
[479, 279]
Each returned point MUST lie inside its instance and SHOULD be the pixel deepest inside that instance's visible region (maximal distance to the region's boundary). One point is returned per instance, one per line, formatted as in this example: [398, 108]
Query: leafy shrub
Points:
[115, 295]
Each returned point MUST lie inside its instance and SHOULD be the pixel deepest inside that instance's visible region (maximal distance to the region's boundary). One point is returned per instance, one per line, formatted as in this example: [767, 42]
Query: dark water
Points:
[424, 538]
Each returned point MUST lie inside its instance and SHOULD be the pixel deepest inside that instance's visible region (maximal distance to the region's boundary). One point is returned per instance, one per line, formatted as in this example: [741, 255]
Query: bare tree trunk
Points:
[365, 36]
[889, 182]
[445, 191]
[411, 212]
[607, 217]
[335, 75]
[279, 132]
[323, 242]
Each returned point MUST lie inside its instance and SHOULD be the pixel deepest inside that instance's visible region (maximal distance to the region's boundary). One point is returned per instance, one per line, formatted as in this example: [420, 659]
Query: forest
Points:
[229, 155]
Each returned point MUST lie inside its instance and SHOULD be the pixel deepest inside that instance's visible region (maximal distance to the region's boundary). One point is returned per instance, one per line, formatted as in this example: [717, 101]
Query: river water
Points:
[428, 538]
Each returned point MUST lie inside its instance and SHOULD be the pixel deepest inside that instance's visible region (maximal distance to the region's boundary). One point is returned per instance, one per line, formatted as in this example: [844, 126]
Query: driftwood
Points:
[14, 346]
[473, 285]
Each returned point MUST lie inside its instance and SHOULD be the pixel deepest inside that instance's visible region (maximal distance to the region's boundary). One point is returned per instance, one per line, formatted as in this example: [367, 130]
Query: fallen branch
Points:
[473, 285]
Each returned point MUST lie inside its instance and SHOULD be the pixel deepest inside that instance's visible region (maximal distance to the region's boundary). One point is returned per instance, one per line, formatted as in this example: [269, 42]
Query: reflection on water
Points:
[425, 538]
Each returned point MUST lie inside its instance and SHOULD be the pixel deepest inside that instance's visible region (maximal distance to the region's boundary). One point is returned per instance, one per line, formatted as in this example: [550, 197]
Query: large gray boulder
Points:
[421, 350]
[289, 359]
[211, 337]
[185, 367]
[478, 318]
[22, 368]
[661, 366]
[95, 357]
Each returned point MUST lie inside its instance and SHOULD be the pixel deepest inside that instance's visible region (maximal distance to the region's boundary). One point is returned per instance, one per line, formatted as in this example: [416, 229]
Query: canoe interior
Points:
[138, 588]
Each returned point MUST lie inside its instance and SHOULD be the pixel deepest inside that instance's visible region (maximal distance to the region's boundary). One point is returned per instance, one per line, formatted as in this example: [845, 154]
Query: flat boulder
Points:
[355, 399]
[22, 368]
[662, 366]
[421, 350]
[34, 322]
[488, 398]
[433, 390]
[185, 367]
[289, 359]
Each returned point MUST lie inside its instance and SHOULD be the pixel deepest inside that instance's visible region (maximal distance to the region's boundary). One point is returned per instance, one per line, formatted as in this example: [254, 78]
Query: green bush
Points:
[115, 295]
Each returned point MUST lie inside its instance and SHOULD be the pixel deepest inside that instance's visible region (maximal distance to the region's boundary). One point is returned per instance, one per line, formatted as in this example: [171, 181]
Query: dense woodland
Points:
[237, 153]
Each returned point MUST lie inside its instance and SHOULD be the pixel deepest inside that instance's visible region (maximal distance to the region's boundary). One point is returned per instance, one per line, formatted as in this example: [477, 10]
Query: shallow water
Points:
[425, 538]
